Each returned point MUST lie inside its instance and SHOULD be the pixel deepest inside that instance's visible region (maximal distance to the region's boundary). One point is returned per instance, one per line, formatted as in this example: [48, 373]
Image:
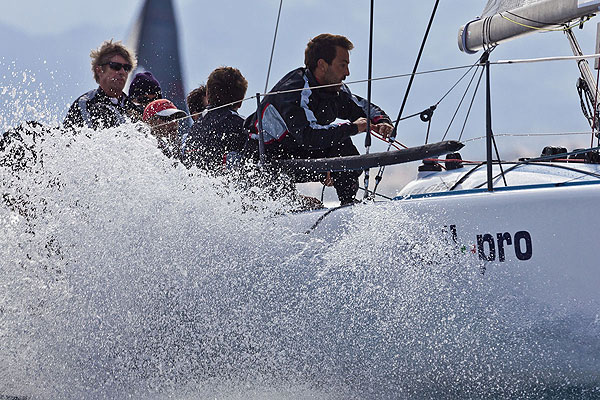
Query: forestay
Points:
[502, 20]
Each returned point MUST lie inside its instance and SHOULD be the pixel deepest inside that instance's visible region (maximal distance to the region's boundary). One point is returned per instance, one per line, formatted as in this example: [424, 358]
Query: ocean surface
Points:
[124, 276]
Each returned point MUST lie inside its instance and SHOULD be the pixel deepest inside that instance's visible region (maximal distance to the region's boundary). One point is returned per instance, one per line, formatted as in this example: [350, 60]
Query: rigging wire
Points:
[433, 107]
[369, 84]
[406, 75]
[416, 66]
[457, 83]
[432, 71]
[273, 47]
[406, 94]
[429, 113]
[459, 105]
[462, 131]
[539, 134]
[427, 72]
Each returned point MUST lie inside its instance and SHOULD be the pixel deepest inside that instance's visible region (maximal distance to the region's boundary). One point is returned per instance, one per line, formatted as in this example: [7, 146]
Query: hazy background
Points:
[45, 65]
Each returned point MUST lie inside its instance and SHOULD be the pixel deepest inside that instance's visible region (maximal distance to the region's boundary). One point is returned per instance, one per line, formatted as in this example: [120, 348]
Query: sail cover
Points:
[502, 20]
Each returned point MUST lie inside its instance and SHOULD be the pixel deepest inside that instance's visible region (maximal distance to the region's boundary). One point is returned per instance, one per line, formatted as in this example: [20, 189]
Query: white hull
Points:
[549, 235]
[538, 245]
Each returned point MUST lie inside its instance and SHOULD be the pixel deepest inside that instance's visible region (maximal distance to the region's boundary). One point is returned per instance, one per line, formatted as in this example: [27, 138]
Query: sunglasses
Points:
[117, 66]
[147, 98]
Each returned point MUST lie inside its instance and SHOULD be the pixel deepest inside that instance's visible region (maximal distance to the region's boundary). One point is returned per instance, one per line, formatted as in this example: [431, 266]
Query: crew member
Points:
[300, 123]
[106, 106]
[196, 101]
[218, 134]
[144, 88]
[162, 116]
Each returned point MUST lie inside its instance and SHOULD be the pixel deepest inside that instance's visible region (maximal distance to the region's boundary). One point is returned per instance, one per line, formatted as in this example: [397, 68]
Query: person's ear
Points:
[322, 65]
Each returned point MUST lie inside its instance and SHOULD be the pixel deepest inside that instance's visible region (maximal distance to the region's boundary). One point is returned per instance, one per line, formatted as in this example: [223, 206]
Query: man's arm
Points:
[354, 107]
[304, 128]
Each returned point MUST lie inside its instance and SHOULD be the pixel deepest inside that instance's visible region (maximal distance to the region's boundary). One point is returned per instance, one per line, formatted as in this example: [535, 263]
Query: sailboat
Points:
[528, 227]
[532, 218]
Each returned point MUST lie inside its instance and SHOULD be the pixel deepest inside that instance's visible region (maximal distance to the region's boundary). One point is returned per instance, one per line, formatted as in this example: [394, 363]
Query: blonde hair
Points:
[106, 51]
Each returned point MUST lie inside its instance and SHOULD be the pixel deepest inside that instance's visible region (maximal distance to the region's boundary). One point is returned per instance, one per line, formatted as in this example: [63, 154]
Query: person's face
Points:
[164, 127]
[146, 99]
[338, 70]
[111, 80]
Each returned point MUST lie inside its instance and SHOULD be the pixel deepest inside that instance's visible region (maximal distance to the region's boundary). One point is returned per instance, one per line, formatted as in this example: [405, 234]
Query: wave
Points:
[124, 275]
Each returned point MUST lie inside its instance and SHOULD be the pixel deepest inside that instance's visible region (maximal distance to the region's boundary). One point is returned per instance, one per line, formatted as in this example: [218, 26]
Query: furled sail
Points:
[154, 39]
[502, 20]
[497, 6]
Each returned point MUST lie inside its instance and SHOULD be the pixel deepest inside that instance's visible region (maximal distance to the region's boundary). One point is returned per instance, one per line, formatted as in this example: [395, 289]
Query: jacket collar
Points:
[312, 81]
[104, 97]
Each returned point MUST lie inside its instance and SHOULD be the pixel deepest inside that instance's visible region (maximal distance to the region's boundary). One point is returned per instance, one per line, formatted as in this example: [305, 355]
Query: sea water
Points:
[124, 275]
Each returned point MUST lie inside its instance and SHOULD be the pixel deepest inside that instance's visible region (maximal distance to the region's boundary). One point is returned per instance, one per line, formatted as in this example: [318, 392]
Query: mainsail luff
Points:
[495, 27]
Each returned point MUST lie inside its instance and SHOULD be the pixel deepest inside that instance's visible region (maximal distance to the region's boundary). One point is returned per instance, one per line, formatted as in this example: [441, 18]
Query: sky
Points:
[45, 64]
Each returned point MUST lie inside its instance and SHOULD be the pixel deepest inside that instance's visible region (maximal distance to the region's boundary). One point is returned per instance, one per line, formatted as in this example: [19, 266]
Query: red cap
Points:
[162, 108]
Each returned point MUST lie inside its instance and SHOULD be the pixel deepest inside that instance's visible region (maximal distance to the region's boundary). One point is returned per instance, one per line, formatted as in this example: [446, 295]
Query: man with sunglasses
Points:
[107, 106]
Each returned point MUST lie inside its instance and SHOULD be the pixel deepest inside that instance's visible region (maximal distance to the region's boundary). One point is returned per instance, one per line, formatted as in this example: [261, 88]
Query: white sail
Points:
[502, 20]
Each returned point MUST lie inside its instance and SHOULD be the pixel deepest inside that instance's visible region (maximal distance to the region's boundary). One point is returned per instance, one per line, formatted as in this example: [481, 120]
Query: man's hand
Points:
[328, 180]
[384, 129]
[361, 123]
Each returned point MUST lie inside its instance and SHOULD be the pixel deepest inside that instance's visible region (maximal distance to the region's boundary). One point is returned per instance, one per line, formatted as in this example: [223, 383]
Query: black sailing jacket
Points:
[214, 135]
[304, 120]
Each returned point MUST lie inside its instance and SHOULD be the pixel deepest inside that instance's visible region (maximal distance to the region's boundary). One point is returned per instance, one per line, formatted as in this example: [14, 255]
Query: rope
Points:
[546, 158]
[433, 71]
[457, 82]
[486, 36]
